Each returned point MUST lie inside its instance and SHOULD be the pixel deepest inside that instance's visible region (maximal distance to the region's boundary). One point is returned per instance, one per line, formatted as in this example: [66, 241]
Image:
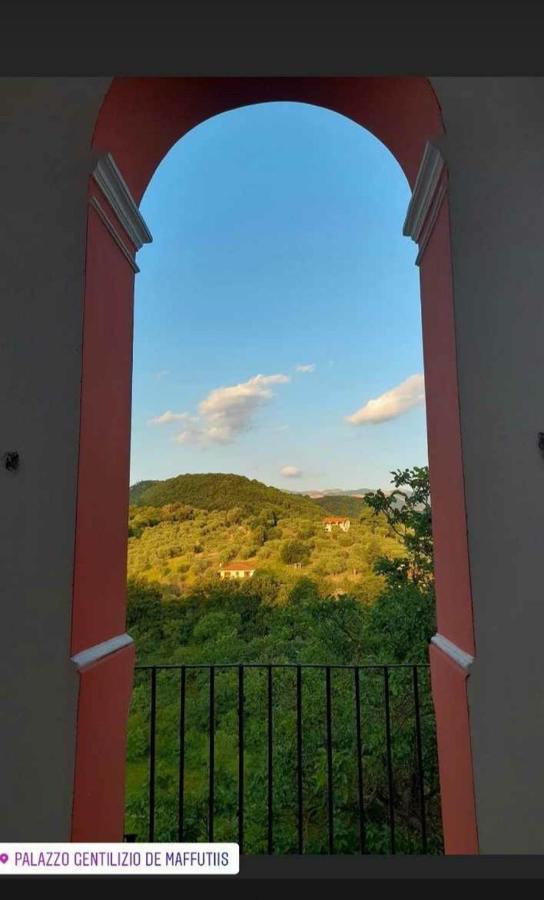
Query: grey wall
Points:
[494, 148]
[46, 128]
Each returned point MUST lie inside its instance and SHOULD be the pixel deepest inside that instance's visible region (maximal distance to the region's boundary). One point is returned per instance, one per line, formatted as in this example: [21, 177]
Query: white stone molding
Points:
[429, 191]
[459, 656]
[99, 651]
[115, 235]
[115, 190]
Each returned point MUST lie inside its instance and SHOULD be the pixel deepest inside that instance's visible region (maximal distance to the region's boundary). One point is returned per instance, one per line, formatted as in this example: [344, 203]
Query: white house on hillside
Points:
[237, 570]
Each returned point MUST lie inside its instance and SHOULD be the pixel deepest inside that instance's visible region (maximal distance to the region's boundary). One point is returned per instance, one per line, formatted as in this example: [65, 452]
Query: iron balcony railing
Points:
[285, 758]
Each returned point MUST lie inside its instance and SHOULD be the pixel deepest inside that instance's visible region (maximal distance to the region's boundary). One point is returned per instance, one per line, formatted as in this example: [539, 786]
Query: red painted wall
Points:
[104, 452]
[142, 118]
[454, 608]
[449, 683]
[452, 573]
[99, 794]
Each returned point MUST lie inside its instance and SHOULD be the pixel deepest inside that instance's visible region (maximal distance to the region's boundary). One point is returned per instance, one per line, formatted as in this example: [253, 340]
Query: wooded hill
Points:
[341, 505]
[182, 530]
[219, 491]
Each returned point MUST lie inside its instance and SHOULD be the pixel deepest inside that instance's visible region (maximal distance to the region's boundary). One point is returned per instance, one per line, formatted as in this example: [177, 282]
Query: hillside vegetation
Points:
[138, 489]
[180, 611]
[341, 505]
[182, 530]
[220, 491]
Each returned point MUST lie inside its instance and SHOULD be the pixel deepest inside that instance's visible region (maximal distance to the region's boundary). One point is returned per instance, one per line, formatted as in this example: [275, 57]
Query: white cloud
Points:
[190, 435]
[393, 403]
[168, 417]
[306, 369]
[228, 411]
[290, 472]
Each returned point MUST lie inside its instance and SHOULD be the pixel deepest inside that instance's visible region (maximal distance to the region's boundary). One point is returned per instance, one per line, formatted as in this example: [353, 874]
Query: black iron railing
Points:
[286, 757]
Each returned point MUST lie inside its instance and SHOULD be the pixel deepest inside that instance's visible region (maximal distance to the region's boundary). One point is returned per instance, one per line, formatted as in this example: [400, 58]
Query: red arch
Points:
[140, 120]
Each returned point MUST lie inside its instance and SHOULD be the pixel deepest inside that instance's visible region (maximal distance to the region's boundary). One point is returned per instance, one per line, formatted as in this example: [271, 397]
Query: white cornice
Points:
[129, 256]
[99, 651]
[115, 190]
[427, 196]
[459, 656]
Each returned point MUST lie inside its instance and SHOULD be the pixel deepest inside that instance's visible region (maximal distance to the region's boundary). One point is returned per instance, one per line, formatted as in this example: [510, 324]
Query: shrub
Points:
[294, 552]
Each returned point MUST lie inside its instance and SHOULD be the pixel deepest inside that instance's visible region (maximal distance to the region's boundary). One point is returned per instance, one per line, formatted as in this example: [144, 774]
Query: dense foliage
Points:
[220, 491]
[284, 614]
[183, 546]
[408, 513]
[341, 505]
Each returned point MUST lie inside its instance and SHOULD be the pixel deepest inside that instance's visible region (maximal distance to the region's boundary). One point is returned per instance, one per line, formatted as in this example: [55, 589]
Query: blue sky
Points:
[278, 252]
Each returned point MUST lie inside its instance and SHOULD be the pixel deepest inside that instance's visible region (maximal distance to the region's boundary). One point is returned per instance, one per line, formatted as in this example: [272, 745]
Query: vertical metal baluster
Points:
[152, 741]
[270, 766]
[356, 677]
[211, 799]
[389, 759]
[299, 762]
[329, 759]
[241, 758]
[420, 774]
[181, 775]
[270, 756]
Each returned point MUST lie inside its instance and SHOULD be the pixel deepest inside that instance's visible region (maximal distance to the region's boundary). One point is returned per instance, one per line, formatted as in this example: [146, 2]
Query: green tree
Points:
[408, 513]
[401, 622]
[265, 585]
[294, 552]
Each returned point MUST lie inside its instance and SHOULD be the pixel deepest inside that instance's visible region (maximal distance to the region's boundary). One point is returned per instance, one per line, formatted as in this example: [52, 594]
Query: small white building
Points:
[237, 570]
[333, 522]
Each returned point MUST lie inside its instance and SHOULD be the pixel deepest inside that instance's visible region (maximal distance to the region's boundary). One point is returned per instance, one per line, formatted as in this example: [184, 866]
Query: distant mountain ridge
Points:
[219, 490]
[348, 505]
[336, 492]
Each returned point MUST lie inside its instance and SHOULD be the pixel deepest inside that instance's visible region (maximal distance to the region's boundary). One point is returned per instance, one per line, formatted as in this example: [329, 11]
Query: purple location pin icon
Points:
[3, 858]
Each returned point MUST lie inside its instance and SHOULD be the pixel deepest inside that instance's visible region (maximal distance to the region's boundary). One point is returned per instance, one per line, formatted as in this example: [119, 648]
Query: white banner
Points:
[119, 859]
